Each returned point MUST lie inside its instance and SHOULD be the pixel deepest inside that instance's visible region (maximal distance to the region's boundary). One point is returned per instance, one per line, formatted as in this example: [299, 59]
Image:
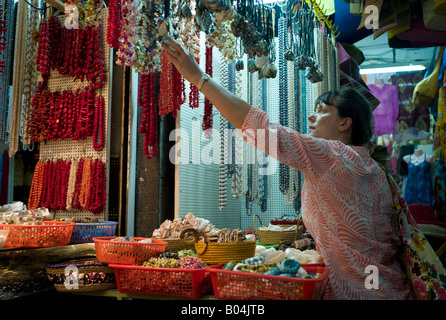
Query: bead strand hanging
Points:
[56, 187]
[222, 174]
[3, 38]
[30, 79]
[18, 77]
[149, 114]
[208, 107]
[283, 97]
[114, 23]
[5, 78]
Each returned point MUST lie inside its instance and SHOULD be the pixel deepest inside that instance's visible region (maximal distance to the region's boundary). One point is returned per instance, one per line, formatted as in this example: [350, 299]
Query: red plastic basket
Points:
[160, 281]
[49, 234]
[126, 252]
[238, 285]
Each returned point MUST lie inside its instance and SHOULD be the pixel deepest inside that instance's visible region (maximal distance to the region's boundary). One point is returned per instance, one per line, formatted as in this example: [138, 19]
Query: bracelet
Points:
[203, 79]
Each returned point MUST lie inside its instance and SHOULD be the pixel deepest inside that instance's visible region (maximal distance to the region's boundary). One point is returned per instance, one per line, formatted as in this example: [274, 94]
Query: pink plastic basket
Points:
[127, 252]
[238, 285]
[159, 281]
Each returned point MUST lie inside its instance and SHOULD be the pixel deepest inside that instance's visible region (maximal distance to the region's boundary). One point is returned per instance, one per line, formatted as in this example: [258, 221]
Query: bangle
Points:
[203, 79]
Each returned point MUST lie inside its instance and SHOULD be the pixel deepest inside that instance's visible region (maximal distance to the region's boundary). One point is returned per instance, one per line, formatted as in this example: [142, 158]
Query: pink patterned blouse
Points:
[346, 206]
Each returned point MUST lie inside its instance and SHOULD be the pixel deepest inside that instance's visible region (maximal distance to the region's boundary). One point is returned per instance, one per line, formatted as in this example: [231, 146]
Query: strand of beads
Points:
[67, 184]
[165, 98]
[17, 79]
[207, 117]
[42, 59]
[97, 192]
[99, 124]
[30, 76]
[283, 98]
[114, 23]
[77, 186]
[147, 45]
[149, 117]
[179, 91]
[222, 174]
[76, 115]
[125, 55]
[2, 39]
[9, 16]
[36, 186]
[85, 185]
[71, 182]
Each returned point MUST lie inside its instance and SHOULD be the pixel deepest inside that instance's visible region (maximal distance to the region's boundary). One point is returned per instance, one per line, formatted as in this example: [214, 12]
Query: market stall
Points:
[133, 185]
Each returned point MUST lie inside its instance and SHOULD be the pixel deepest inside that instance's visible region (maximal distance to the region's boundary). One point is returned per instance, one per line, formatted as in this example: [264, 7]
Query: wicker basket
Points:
[274, 236]
[211, 252]
[186, 241]
[81, 274]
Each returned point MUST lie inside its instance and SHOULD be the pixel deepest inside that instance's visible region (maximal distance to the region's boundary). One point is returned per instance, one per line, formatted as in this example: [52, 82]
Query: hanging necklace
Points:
[17, 81]
[283, 99]
[207, 117]
[222, 175]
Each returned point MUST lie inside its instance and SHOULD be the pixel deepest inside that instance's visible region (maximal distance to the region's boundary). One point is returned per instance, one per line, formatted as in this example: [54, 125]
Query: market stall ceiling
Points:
[378, 52]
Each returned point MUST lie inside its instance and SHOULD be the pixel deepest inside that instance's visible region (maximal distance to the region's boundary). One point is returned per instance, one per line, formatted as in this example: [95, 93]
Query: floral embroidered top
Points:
[347, 207]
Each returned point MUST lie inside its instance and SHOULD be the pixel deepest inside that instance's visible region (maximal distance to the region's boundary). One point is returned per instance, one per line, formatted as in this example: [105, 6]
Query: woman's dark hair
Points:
[352, 104]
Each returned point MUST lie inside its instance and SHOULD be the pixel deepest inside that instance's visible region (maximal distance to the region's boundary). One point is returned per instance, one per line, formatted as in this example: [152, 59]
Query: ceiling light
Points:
[392, 69]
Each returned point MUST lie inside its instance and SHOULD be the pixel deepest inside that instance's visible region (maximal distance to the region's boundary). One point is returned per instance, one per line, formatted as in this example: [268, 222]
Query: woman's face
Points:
[325, 122]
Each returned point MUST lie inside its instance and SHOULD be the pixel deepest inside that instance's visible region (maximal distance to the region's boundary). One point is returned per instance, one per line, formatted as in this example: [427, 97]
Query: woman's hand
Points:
[230, 106]
[184, 61]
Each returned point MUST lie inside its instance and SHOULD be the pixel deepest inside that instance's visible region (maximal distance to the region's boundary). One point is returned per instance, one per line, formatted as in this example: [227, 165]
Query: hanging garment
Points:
[386, 113]
[440, 125]
[413, 120]
[419, 183]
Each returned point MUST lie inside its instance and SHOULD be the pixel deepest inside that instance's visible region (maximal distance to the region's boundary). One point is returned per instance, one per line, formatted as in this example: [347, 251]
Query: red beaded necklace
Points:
[97, 192]
[99, 124]
[114, 23]
[179, 94]
[77, 186]
[194, 93]
[42, 58]
[149, 117]
[2, 40]
[207, 118]
[165, 99]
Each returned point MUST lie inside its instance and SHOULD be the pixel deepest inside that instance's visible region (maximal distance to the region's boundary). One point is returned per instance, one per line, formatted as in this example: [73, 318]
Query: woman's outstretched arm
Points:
[230, 106]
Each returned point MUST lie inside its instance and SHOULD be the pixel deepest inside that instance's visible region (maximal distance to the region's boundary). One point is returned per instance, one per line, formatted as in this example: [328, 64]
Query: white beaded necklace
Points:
[9, 16]
[30, 77]
[18, 75]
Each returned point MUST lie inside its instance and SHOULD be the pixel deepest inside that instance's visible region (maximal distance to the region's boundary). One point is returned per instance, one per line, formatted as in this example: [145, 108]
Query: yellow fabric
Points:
[440, 6]
[426, 90]
[328, 5]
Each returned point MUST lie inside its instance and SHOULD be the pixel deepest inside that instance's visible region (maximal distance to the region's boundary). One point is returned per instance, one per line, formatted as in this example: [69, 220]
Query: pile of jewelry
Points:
[26, 217]
[184, 259]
